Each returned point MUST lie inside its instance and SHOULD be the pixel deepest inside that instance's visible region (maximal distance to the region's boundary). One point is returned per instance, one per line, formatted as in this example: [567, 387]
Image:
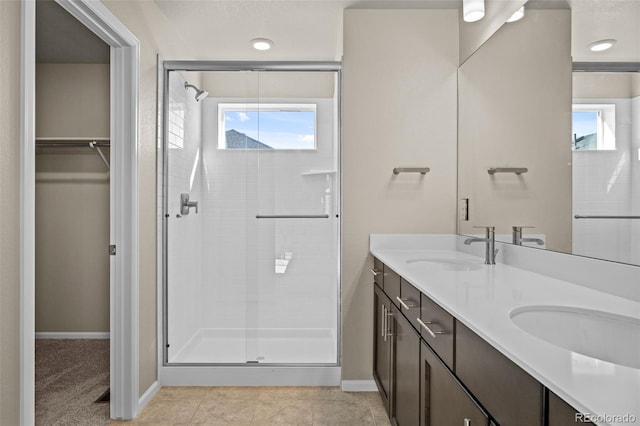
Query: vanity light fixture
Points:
[602, 45]
[517, 15]
[261, 43]
[472, 10]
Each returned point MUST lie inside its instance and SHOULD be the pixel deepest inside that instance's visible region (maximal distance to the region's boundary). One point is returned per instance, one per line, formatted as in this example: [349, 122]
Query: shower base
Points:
[258, 346]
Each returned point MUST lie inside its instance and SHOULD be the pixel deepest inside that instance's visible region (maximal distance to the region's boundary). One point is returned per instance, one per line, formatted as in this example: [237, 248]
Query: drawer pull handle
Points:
[383, 326]
[375, 272]
[432, 333]
[404, 304]
[467, 422]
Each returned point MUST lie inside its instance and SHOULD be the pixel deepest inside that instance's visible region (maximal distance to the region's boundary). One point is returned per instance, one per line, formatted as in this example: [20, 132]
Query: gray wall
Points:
[72, 217]
[515, 111]
[399, 101]
[9, 212]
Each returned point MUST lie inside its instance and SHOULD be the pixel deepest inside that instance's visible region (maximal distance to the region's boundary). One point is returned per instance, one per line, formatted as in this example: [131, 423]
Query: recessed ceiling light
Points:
[517, 15]
[472, 10]
[600, 45]
[261, 43]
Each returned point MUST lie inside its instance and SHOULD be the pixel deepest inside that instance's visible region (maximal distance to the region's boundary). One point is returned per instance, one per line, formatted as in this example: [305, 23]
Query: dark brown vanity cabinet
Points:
[405, 372]
[432, 370]
[382, 346]
[511, 395]
[443, 400]
[562, 414]
[396, 361]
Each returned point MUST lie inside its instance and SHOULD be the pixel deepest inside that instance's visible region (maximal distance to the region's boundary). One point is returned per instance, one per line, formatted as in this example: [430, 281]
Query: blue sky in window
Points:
[585, 123]
[278, 129]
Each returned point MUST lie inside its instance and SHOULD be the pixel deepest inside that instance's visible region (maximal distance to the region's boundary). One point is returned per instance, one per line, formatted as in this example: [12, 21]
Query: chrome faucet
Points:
[517, 236]
[490, 240]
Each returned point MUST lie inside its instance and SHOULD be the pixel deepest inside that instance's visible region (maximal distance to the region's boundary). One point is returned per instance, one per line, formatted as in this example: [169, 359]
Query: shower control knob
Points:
[186, 204]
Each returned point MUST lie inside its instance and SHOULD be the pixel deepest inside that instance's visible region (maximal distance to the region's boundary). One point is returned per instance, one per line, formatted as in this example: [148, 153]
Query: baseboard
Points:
[79, 335]
[148, 396]
[359, 386]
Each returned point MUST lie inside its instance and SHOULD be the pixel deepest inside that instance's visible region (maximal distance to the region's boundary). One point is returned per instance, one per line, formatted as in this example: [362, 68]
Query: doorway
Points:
[72, 191]
[124, 76]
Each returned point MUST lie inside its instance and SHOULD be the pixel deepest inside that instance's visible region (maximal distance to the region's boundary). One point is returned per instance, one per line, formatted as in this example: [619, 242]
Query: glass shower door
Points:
[252, 277]
[296, 220]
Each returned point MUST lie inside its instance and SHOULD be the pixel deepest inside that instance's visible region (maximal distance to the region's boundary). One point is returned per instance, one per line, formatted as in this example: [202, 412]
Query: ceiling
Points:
[300, 30]
[310, 29]
[594, 20]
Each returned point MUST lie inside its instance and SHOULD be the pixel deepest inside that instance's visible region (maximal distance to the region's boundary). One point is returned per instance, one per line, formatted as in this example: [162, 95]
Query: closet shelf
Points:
[72, 139]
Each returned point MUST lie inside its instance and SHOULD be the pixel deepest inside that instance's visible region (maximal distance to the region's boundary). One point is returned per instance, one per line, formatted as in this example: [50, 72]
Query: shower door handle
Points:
[185, 204]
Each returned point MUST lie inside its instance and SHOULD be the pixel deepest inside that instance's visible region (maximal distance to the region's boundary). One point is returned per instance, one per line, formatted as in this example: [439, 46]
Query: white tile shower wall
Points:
[602, 186]
[634, 160]
[185, 232]
[241, 285]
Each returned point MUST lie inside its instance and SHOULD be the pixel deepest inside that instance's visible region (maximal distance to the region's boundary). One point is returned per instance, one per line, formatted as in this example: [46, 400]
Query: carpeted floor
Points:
[70, 376]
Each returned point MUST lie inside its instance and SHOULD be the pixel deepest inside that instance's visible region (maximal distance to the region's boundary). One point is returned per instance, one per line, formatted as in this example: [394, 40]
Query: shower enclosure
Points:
[250, 212]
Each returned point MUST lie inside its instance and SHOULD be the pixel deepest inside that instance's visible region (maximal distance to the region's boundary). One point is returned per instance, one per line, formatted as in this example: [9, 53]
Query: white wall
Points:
[185, 232]
[399, 110]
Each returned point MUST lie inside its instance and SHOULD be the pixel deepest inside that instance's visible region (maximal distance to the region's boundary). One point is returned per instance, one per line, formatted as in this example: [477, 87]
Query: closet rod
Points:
[48, 144]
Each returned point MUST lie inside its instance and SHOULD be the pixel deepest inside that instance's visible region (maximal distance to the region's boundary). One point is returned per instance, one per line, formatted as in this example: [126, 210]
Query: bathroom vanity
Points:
[458, 342]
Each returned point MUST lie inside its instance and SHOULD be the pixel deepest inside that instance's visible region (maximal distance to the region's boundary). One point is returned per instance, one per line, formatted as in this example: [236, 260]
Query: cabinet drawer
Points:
[511, 395]
[378, 272]
[391, 284]
[442, 325]
[409, 301]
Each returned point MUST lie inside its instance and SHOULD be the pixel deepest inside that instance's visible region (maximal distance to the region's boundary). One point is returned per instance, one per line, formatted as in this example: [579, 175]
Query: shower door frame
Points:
[326, 374]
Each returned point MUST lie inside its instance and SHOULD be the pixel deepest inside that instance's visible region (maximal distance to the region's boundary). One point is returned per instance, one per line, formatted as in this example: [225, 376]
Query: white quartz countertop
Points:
[483, 300]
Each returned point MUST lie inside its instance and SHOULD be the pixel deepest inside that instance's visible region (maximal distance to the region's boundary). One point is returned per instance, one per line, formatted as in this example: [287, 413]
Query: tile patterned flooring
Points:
[264, 406]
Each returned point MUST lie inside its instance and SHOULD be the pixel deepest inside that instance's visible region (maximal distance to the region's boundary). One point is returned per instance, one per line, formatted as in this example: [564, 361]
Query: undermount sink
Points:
[445, 264]
[597, 334]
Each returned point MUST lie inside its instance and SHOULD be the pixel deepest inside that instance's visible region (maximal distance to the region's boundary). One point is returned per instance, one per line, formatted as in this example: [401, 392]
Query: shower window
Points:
[594, 127]
[268, 126]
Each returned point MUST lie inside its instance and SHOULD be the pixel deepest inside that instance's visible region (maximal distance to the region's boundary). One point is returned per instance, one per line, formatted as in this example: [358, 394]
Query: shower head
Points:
[200, 94]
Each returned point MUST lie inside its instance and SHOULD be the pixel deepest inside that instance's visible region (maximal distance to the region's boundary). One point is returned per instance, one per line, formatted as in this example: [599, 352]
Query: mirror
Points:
[553, 152]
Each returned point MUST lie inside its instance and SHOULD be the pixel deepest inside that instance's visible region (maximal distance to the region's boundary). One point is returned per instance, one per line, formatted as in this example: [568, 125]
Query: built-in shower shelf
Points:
[317, 172]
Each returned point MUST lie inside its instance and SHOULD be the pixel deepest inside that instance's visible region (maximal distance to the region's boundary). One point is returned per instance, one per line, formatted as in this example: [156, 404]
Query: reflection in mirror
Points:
[606, 165]
[514, 114]
[581, 148]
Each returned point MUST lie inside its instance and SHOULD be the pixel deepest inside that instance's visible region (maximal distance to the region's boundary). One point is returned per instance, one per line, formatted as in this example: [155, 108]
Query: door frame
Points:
[124, 67]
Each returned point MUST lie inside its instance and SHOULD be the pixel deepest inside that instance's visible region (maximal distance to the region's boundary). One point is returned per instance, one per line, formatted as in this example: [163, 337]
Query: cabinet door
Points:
[511, 395]
[382, 346]
[562, 414]
[443, 401]
[406, 369]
